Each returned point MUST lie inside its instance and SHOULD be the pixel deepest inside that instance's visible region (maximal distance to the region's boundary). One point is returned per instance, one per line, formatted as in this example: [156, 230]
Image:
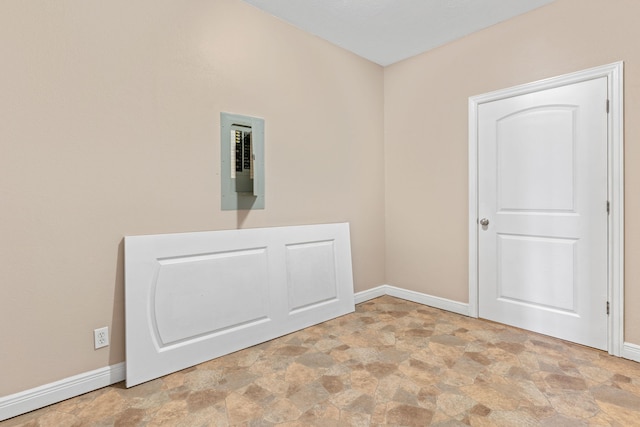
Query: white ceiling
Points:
[388, 31]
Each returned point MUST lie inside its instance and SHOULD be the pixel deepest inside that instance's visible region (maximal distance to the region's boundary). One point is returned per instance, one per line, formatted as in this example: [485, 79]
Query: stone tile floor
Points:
[392, 362]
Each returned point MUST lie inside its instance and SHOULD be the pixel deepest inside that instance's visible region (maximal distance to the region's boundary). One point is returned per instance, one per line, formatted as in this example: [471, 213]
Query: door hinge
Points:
[607, 106]
[607, 308]
[608, 207]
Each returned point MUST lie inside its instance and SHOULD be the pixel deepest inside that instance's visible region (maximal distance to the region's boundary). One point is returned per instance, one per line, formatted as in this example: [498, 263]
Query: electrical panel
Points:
[242, 153]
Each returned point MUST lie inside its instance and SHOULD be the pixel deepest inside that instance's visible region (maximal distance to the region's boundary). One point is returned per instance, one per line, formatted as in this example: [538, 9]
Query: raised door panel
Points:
[537, 271]
[535, 160]
[311, 274]
[195, 296]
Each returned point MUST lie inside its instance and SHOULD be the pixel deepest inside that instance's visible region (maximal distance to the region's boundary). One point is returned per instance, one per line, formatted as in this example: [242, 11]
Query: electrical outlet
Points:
[101, 337]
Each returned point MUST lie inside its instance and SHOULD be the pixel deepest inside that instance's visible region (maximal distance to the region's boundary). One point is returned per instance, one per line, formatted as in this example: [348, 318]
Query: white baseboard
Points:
[418, 297]
[430, 300]
[631, 351]
[369, 294]
[39, 397]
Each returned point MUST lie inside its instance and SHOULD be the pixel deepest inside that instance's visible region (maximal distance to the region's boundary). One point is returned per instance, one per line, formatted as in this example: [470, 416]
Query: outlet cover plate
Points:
[101, 337]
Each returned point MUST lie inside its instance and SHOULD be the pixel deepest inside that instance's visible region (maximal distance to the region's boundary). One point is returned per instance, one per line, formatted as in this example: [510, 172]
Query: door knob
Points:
[484, 222]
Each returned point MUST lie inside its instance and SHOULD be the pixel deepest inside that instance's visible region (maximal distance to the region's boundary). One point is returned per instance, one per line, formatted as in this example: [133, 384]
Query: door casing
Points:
[615, 185]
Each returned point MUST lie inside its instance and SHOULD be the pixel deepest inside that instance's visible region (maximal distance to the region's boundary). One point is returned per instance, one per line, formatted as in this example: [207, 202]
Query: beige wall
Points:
[109, 126]
[426, 100]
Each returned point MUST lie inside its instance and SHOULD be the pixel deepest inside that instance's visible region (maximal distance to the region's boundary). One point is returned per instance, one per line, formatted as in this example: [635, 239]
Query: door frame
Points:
[615, 187]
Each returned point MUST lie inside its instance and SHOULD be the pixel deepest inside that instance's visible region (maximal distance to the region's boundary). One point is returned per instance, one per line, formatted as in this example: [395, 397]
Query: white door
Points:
[542, 195]
[190, 297]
